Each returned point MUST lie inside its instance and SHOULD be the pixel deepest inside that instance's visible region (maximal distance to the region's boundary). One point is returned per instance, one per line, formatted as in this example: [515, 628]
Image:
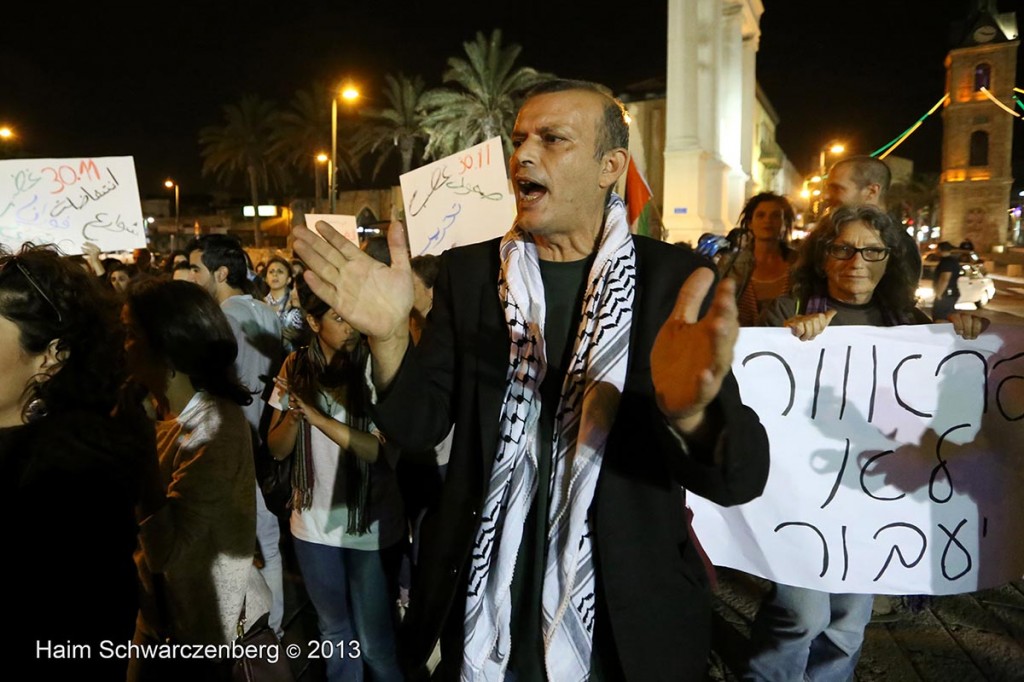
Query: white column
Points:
[693, 170]
[732, 85]
[747, 152]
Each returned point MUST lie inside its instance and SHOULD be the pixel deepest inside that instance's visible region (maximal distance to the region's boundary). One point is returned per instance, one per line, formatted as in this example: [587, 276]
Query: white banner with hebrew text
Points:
[897, 461]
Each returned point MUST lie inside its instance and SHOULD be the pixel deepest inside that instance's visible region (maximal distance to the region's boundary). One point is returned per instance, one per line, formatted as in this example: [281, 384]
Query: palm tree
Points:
[399, 127]
[242, 147]
[485, 103]
[914, 199]
[304, 130]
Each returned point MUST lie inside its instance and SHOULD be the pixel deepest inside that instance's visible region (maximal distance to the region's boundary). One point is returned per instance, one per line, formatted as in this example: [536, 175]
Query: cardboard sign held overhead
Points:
[67, 202]
[461, 199]
[345, 224]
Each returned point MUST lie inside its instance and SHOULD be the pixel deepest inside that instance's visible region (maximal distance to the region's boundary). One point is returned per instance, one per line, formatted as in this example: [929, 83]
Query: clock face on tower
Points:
[984, 34]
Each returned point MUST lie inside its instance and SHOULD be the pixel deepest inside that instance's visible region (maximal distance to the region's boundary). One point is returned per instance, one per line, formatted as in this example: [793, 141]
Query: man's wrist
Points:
[386, 354]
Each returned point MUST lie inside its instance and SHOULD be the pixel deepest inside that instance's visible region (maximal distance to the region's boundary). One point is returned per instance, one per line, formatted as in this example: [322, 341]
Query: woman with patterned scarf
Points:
[347, 520]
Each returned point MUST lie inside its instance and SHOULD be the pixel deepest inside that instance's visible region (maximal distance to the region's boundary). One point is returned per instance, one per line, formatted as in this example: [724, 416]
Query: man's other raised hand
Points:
[372, 297]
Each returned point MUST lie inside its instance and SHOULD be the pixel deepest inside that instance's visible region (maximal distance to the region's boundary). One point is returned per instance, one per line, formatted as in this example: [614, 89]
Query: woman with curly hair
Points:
[347, 520]
[762, 259]
[853, 269]
[197, 537]
[71, 462]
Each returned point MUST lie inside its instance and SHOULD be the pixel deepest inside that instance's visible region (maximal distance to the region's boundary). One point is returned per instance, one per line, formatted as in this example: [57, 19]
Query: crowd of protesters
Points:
[139, 400]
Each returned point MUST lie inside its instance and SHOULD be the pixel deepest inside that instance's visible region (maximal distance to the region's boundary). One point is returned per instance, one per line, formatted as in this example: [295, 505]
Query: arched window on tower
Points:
[979, 148]
[982, 77]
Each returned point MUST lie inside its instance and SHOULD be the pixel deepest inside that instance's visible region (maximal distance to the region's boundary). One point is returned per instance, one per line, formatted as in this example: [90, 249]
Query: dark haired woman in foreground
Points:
[200, 535]
[69, 467]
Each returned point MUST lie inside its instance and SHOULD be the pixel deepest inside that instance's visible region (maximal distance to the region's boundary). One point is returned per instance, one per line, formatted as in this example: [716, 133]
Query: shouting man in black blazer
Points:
[587, 372]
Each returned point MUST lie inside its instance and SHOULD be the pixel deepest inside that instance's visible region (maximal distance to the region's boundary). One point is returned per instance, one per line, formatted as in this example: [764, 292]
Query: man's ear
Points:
[613, 165]
[872, 191]
[53, 357]
[220, 275]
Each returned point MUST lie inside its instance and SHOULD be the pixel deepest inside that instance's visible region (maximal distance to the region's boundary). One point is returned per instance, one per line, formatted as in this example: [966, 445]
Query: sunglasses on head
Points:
[15, 261]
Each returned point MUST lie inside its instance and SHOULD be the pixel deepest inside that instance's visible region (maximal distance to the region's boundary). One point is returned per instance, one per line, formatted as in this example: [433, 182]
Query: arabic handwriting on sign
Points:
[439, 233]
[463, 189]
[25, 180]
[102, 222]
[87, 196]
[29, 212]
[437, 180]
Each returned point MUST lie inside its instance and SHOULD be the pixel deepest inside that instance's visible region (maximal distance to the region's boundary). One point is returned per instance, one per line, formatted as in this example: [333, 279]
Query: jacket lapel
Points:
[492, 373]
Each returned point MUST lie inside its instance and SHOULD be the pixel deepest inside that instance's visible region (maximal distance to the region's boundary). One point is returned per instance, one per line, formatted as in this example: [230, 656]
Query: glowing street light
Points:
[169, 184]
[318, 160]
[6, 133]
[349, 94]
[833, 148]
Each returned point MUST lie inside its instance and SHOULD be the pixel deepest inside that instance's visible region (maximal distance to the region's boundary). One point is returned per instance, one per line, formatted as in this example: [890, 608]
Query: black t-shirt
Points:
[951, 265]
[564, 285]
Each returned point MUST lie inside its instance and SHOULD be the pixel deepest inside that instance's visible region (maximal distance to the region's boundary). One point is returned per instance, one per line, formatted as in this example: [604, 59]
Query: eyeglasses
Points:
[16, 261]
[871, 254]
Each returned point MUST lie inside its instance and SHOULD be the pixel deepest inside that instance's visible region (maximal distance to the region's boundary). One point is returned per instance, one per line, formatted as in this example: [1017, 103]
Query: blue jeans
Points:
[350, 592]
[268, 533]
[802, 634]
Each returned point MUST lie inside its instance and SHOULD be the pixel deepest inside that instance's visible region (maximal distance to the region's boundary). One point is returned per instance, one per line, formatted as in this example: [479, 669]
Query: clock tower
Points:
[977, 137]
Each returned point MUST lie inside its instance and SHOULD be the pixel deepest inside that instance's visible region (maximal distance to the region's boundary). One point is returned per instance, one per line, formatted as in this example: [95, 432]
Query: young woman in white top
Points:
[347, 519]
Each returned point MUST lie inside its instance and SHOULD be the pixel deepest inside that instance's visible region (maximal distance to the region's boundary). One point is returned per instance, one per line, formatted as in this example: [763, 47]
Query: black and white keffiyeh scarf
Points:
[586, 411]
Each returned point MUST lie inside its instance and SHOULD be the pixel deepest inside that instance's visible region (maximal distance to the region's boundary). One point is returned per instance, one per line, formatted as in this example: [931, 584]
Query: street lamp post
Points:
[834, 148]
[349, 94]
[168, 183]
[318, 161]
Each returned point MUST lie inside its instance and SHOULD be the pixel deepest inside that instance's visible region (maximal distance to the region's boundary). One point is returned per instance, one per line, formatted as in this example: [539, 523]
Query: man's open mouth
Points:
[530, 191]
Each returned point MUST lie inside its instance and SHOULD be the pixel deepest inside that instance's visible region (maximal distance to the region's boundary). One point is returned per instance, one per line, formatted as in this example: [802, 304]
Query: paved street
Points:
[960, 638]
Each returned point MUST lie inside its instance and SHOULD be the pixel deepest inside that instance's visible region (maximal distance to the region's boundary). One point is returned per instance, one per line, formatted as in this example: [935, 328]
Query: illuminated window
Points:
[982, 77]
[979, 148]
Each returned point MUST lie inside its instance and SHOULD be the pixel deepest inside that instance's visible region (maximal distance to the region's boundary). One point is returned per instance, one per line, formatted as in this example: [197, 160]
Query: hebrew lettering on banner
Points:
[461, 199]
[897, 461]
[71, 201]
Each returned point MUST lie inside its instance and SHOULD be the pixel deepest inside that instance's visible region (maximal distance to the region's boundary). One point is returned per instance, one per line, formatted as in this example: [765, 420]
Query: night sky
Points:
[89, 81]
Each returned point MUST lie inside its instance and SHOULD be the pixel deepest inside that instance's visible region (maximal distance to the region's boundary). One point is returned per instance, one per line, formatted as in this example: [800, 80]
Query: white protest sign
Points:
[897, 461]
[345, 224]
[460, 199]
[71, 201]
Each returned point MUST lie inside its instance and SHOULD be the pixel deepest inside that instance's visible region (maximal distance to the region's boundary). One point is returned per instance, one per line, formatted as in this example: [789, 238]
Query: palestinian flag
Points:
[643, 215]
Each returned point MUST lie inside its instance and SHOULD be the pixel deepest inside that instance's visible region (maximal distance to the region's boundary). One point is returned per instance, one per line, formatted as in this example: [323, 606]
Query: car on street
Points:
[975, 285]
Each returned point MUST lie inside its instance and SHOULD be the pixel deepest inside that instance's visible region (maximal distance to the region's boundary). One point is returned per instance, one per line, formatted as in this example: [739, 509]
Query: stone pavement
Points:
[959, 638]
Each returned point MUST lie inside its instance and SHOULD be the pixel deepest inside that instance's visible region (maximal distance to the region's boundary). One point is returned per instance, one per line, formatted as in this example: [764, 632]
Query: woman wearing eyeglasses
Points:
[853, 269]
[70, 465]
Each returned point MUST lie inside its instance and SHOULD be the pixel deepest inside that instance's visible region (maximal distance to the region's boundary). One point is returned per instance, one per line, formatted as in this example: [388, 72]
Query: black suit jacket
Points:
[649, 574]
